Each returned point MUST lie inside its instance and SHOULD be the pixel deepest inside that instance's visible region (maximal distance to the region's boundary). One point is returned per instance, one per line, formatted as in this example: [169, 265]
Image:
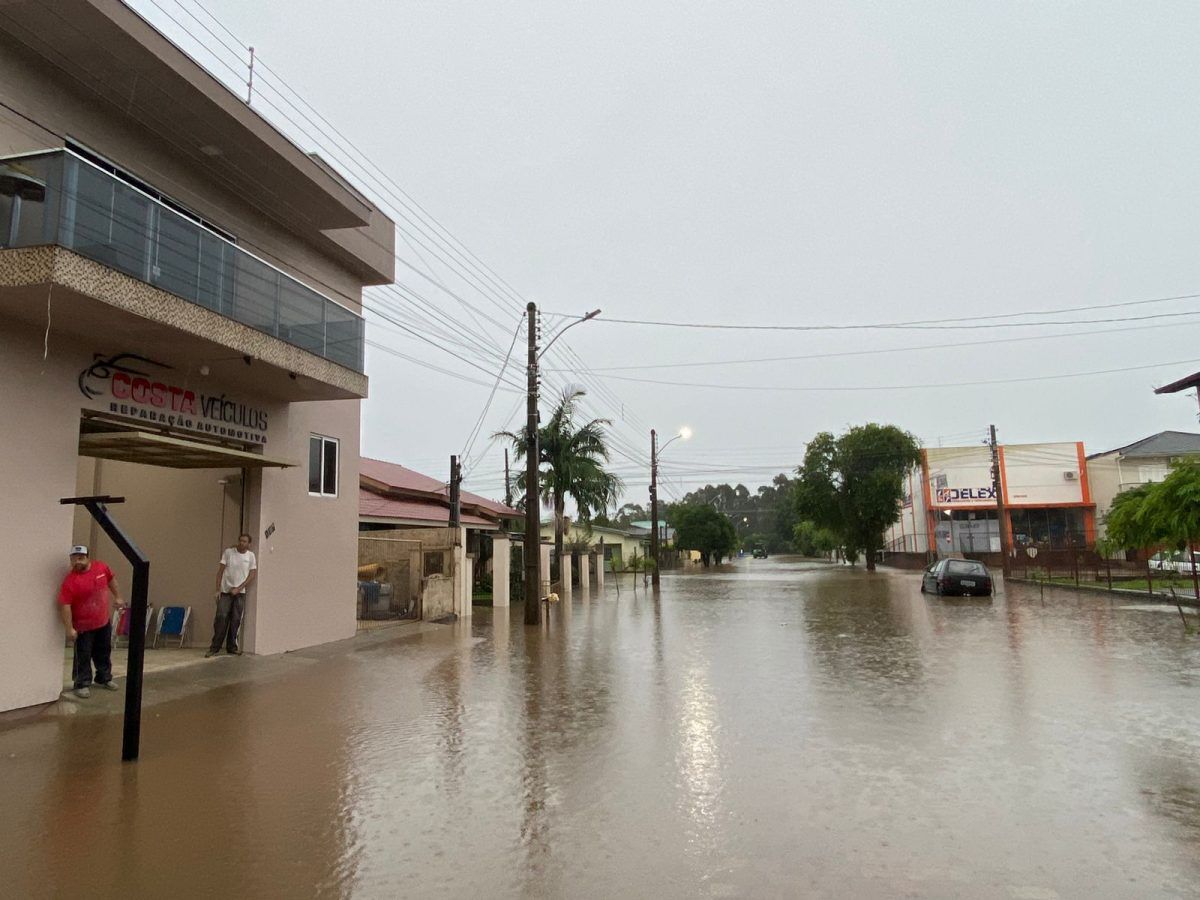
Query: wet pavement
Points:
[773, 728]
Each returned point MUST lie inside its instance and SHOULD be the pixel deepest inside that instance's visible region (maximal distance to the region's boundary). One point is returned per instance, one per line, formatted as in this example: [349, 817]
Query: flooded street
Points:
[771, 728]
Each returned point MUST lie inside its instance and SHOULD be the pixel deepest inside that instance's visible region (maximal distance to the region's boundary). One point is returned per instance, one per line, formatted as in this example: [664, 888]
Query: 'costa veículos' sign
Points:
[134, 391]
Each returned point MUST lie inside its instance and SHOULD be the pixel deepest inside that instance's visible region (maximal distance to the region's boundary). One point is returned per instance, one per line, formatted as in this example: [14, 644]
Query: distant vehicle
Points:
[957, 577]
[1177, 561]
[759, 552]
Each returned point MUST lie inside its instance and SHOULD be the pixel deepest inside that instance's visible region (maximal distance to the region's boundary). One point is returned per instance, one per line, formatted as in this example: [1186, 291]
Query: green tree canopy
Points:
[631, 512]
[704, 529]
[767, 514]
[812, 540]
[852, 485]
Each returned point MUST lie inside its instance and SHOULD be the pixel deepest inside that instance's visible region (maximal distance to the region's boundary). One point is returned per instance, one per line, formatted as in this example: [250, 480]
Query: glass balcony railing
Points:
[61, 198]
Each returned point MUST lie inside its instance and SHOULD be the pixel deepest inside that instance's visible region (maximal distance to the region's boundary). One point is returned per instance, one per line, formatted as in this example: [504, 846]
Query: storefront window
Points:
[1055, 528]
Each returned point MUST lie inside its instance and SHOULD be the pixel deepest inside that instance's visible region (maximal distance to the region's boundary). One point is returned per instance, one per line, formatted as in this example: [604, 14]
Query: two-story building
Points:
[1142, 462]
[181, 325]
[949, 504]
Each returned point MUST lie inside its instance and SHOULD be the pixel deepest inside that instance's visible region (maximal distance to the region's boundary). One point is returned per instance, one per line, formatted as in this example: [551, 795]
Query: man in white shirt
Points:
[235, 574]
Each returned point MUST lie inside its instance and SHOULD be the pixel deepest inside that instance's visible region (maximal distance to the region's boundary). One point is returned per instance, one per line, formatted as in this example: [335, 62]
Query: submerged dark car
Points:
[957, 577]
[759, 552]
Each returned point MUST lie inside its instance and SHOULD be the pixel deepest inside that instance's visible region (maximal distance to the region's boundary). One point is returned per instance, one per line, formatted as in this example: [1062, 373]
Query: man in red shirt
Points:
[83, 604]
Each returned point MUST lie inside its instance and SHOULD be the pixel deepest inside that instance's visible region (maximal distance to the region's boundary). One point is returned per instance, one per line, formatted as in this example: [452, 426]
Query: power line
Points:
[846, 353]
[900, 387]
[487, 405]
[917, 325]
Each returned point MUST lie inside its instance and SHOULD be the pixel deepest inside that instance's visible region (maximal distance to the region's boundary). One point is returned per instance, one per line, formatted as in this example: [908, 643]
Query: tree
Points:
[766, 515]
[702, 528]
[1176, 511]
[1128, 523]
[630, 513]
[1170, 512]
[852, 485]
[812, 540]
[572, 459]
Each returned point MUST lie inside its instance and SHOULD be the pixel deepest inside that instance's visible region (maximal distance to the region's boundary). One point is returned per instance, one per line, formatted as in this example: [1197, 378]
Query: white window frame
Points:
[326, 441]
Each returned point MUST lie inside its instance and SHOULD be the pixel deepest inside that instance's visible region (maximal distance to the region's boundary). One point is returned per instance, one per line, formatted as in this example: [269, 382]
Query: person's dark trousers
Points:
[93, 646]
[227, 622]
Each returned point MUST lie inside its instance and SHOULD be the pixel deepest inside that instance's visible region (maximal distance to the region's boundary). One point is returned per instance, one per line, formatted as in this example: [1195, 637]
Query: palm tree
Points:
[572, 457]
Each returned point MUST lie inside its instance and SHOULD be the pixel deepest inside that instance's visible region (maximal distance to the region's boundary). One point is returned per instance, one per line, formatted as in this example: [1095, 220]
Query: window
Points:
[435, 563]
[322, 466]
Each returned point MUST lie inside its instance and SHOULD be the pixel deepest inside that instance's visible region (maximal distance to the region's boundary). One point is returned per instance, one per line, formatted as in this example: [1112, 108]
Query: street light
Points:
[684, 433]
[561, 331]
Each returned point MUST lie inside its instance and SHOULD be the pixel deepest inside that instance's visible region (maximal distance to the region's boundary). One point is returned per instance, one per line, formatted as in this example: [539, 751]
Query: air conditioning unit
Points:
[1070, 475]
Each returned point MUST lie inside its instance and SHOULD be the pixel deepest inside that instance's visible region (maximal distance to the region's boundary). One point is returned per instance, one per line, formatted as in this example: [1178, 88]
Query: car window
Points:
[966, 567]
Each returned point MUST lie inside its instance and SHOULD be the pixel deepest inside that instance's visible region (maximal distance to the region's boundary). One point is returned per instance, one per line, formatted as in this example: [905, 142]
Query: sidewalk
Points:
[172, 674]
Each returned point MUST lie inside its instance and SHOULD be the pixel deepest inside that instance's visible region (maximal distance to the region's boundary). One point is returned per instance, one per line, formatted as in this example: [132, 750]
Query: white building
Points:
[949, 503]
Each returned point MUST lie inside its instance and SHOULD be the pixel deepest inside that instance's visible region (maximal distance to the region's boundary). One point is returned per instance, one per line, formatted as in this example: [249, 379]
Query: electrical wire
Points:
[901, 387]
[920, 325]
[876, 352]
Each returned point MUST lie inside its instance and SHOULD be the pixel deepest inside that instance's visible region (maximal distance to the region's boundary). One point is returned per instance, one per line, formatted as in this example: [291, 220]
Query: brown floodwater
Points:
[771, 728]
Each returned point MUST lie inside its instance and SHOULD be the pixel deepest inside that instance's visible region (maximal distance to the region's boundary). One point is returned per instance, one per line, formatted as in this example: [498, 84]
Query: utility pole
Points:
[1001, 514]
[507, 482]
[455, 494]
[533, 549]
[654, 549]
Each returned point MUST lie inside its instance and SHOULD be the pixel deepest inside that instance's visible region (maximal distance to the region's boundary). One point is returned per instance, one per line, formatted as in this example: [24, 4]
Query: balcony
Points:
[61, 198]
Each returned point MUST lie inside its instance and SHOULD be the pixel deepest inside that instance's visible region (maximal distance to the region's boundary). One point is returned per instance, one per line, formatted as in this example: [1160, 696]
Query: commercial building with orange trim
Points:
[950, 505]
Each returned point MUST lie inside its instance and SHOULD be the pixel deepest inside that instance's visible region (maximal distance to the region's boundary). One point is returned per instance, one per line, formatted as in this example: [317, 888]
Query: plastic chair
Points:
[173, 623]
[120, 624]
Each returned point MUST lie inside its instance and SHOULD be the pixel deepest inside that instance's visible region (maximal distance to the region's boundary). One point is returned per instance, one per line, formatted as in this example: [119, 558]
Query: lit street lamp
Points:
[684, 434]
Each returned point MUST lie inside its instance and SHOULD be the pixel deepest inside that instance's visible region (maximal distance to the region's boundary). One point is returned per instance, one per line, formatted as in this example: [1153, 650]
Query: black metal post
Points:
[138, 595]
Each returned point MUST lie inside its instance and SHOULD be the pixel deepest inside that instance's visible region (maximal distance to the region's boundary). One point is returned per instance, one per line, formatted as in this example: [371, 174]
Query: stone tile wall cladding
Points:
[56, 266]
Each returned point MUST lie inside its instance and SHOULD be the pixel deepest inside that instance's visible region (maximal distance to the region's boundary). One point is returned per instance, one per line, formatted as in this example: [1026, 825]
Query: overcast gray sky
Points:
[772, 163]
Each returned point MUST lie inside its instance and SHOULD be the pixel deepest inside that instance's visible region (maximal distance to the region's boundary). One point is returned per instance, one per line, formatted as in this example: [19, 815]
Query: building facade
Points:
[180, 325]
[1143, 462]
[949, 504]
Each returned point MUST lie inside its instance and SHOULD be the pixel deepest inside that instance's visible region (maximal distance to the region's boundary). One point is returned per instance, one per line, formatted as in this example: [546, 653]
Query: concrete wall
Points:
[308, 567]
[1036, 474]
[501, 570]
[438, 597]
[59, 104]
[1104, 478]
[41, 436]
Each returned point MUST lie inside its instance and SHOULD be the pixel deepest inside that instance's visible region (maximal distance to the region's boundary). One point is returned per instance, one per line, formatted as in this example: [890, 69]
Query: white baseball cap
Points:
[79, 550]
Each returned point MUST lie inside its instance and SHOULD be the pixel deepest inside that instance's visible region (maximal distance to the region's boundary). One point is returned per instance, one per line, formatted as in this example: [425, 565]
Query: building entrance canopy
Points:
[174, 452]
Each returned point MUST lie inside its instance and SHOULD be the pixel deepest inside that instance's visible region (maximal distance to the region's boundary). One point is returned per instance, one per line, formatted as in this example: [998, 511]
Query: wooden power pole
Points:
[533, 539]
[1001, 512]
[654, 548]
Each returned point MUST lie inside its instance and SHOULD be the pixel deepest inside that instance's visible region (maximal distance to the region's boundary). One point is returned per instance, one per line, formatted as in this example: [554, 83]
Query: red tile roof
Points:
[374, 505]
[390, 478]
